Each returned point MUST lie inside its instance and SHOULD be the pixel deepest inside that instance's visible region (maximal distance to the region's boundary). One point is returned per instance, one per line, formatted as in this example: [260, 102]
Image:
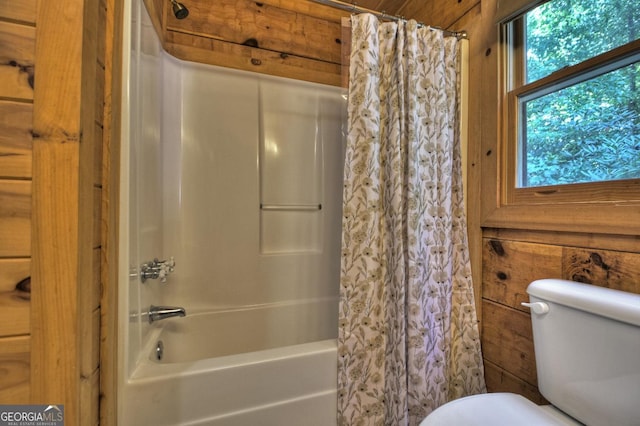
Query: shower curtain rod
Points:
[354, 8]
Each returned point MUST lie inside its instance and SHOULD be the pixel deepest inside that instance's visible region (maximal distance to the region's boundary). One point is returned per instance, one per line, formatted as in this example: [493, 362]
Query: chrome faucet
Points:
[157, 313]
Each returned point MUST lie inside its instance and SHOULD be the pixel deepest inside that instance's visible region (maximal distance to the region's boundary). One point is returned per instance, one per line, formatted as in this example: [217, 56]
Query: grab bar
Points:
[291, 207]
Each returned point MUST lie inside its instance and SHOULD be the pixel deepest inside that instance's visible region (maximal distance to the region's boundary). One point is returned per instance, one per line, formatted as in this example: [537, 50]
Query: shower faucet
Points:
[157, 313]
[157, 269]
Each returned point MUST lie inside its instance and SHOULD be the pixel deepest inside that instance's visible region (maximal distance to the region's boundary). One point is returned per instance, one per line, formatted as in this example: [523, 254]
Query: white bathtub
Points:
[216, 372]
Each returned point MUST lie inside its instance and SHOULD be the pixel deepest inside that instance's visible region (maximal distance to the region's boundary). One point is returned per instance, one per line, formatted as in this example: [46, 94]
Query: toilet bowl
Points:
[497, 409]
[587, 341]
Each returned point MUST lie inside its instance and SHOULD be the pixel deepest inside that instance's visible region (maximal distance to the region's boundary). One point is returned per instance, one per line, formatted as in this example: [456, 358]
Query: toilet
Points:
[587, 346]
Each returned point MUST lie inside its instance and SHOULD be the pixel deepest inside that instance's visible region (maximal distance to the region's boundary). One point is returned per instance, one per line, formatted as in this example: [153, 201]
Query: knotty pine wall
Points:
[514, 258]
[287, 38]
[17, 59]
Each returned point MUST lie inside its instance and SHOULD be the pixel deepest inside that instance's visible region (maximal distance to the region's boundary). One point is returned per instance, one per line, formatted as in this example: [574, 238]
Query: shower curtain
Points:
[408, 336]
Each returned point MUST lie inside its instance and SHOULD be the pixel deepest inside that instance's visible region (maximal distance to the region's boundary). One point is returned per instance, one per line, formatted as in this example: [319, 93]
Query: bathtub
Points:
[265, 365]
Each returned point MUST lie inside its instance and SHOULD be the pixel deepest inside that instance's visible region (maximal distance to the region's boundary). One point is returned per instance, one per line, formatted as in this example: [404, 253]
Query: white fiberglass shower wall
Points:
[237, 177]
[252, 183]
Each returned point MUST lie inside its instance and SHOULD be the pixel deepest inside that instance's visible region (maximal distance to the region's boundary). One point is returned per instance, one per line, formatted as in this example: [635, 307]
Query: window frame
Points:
[513, 74]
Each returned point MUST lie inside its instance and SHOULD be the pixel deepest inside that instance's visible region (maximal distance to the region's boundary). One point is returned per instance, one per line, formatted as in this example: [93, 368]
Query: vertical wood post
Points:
[110, 213]
[62, 202]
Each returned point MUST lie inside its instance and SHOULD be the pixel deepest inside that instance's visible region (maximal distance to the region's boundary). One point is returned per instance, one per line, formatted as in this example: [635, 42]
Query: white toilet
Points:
[587, 345]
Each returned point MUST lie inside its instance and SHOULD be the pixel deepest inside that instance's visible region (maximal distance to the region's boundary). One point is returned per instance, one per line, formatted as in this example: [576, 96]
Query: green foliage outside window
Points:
[590, 131]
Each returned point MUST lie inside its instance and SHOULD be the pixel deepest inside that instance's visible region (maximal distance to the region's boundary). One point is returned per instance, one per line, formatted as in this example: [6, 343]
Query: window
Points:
[572, 102]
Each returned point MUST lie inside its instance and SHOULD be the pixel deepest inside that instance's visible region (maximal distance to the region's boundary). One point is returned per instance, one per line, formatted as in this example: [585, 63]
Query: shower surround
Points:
[238, 177]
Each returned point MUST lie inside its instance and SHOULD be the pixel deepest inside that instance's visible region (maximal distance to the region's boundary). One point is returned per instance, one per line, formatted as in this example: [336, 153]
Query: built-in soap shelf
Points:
[291, 207]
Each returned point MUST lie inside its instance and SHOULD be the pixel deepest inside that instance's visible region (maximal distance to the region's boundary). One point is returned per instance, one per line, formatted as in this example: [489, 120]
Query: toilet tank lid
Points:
[614, 304]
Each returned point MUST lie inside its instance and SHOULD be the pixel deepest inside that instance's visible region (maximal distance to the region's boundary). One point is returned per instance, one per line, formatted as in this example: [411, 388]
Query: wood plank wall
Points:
[17, 60]
[287, 38]
[511, 260]
[50, 203]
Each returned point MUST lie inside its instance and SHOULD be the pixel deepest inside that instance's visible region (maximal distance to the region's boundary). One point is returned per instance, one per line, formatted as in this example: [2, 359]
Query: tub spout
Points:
[157, 313]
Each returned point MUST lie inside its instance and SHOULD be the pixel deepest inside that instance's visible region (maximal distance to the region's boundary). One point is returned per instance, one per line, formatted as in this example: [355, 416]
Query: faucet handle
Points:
[157, 269]
[166, 267]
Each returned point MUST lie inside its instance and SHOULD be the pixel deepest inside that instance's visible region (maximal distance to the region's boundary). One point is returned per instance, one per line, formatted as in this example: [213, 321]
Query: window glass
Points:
[562, 33]
[588, 132]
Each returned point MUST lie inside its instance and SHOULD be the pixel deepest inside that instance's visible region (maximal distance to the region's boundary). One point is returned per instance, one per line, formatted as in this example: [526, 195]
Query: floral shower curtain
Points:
[408, 337]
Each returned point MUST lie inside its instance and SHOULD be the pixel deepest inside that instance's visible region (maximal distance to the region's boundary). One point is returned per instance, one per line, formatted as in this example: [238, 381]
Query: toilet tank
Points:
[587, 348]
